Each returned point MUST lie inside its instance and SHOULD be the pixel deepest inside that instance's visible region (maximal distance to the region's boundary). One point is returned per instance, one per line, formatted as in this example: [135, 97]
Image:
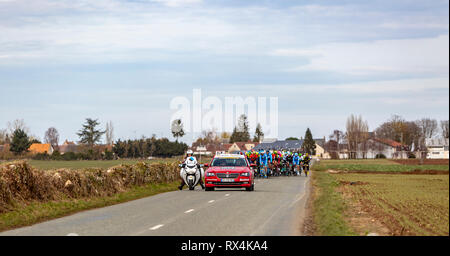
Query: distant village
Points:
[414, 139]
[436, 148]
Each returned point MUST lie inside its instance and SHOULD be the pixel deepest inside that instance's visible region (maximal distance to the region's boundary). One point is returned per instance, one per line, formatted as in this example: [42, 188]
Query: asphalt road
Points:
[275, 208]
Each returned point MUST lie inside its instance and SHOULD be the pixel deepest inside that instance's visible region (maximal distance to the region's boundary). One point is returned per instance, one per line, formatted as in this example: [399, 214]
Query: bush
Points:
[41, 156]
[108, 155]
[21, 183]
[56, 155]
[380, 156]
[70, 156]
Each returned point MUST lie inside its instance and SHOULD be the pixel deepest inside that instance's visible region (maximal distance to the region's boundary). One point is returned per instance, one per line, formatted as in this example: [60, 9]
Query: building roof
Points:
[65, 148]
[320, 142]
[245, 146]
[281, 144]
[436, 142]
[389, 142]
[40, 148]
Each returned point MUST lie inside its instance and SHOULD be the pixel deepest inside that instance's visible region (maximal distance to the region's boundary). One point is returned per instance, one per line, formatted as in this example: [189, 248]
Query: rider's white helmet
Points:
[190, 152]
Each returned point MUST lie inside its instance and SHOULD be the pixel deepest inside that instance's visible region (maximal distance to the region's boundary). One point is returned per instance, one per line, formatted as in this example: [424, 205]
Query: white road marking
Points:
[227, 194]
[72, 234]
[212, 201]
[156, 227]
[188, 211]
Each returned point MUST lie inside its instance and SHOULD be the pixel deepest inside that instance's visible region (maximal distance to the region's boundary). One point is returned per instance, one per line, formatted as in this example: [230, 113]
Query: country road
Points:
[275, 208]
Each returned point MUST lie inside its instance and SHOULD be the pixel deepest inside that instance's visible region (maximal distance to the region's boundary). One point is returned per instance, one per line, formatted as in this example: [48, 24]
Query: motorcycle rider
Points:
[190, 158]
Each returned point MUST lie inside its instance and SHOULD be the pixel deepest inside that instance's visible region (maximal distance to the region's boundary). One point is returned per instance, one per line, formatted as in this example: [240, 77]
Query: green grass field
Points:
[329, 207]
[381, 165]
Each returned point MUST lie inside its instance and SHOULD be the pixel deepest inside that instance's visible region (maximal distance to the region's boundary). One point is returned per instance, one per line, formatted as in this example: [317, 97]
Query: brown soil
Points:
[353, 183]
[361, 218]
[425, 161]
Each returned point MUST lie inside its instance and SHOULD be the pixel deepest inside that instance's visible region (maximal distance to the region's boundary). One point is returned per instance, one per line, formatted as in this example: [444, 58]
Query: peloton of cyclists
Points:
[278, 162]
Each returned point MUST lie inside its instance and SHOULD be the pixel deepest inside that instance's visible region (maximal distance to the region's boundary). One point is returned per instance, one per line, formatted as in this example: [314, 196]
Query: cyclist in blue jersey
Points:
[263, 159]
[296, 164]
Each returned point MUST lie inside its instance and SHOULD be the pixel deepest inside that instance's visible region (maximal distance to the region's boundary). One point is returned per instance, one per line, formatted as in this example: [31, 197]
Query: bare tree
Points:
[4, 137]
[16, 125]
[428, 127]
[109, 133]
[357, 132]
[393, 129]
[52, 137]
[400, 130]
[445, 129]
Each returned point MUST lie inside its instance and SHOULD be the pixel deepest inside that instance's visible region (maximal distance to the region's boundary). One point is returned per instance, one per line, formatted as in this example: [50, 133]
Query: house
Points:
[336, 150]
[320, 149]
[37, 148]
[374, 147]
[242, 147]
[68, 146]
[437, 148]
[211, 149]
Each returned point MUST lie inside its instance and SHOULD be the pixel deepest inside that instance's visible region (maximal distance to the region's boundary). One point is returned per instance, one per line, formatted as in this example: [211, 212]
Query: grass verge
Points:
[35, 212]
[329, 207]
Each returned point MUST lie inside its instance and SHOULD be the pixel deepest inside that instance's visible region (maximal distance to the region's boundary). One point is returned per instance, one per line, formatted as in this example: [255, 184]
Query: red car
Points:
[229, 171]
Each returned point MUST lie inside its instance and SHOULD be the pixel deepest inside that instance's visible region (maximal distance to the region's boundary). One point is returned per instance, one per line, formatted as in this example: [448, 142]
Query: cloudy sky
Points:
[62, 61]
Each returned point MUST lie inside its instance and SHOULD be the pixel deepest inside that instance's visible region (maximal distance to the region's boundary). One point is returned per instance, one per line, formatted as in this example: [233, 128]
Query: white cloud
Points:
[296, 53]
[177, 3]
[414, 56]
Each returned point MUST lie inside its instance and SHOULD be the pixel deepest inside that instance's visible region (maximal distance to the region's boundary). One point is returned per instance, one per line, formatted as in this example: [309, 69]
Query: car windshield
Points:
[227, 162]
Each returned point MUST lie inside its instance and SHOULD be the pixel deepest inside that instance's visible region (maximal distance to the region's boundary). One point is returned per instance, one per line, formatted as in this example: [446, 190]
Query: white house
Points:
[376, 146]
[437, 148]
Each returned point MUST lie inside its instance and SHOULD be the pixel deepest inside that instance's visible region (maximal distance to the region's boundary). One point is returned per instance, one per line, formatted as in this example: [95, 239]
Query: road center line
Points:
[72, 234]
[156, 227]
[212, 201]
[188, 211]
[227, 194]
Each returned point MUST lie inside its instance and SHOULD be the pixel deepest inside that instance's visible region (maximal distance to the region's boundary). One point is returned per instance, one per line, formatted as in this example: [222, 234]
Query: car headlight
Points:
[245, 174]
[209, 174]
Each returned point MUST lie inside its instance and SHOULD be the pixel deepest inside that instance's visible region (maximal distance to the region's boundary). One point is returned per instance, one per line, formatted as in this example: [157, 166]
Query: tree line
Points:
[19, 140]
[411, 134]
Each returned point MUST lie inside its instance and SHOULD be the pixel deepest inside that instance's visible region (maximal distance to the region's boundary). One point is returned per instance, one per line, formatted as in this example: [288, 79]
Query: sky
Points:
[124, 61]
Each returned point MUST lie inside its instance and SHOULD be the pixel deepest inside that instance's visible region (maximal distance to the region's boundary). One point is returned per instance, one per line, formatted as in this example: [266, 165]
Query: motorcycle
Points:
[191, 174]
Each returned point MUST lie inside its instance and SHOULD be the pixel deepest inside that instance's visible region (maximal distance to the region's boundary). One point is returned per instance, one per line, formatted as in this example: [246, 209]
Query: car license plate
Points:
[227, 180]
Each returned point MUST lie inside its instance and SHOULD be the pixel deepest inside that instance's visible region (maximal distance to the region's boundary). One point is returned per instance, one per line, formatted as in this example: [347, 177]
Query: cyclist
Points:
[306, 161]
[289, 160]
[276, 162]
[295, 164]
[264, 162]
[284, 161]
